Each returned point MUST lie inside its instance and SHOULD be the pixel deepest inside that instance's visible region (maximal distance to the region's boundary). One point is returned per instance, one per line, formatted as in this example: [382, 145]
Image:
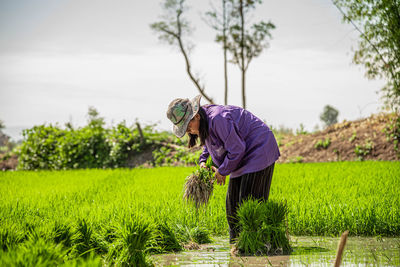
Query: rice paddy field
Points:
[91, 217]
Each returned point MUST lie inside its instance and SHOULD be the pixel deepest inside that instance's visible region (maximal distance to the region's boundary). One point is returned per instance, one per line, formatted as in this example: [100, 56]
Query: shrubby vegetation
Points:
[392, 131]
[6, 144]
[95, 146]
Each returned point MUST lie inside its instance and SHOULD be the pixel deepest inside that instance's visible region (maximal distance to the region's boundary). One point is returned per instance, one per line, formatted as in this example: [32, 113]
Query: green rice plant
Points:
[10, 236]
[90, 261]
[109, 232]
[165, 240]
[200, 235]
[63, 234]
[85, 240]
[262, 228]
[34, 252]
[196, 234]
[133, 238]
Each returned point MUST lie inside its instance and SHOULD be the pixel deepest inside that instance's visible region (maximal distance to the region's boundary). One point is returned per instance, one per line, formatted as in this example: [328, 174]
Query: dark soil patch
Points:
[8, 163]
[143, 159]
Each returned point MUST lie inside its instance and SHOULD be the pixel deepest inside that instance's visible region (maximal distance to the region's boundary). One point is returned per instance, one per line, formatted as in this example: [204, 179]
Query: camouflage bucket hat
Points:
[180, 112]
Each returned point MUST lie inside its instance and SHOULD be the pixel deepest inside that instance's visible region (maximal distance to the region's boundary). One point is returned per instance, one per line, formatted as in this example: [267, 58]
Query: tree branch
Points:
[369, 41]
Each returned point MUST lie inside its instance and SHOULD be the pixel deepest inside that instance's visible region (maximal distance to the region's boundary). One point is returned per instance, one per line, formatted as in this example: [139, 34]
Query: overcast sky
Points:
[57, 58]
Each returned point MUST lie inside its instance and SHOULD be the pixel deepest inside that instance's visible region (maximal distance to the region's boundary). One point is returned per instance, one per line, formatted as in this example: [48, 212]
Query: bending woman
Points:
[239, 143]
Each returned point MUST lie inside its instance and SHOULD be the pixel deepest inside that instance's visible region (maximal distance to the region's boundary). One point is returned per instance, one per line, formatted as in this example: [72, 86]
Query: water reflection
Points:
[310, 251]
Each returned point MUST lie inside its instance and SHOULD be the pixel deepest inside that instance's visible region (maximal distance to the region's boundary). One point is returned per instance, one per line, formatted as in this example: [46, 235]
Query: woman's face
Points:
[194, 124]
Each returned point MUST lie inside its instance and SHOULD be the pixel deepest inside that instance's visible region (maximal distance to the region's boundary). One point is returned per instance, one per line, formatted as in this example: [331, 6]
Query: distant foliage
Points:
[92, 146]
[301, 130]
[329, 115]
[166, 156]
[362, 150]
[378, 23]
[392, 131]
[6, 145]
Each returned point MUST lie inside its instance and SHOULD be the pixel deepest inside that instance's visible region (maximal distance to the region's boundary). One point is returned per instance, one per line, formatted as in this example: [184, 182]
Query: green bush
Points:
[166, 156]
[40, 149]
[93, 146]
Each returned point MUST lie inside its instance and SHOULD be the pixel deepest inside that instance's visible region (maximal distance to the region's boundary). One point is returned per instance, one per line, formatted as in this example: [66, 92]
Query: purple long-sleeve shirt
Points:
[238, 141]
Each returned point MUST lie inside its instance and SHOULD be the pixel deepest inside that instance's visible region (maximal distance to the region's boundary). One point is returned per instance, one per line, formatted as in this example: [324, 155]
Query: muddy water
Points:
[307, 251]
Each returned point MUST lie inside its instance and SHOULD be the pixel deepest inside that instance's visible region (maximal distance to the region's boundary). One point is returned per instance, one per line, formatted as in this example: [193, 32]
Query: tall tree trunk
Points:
[242, 66]
[188, 67]
[225, 52]
[243, 88]
[226, 78]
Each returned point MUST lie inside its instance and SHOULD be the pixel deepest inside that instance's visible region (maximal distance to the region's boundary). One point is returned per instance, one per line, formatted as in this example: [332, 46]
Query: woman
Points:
[239, 143]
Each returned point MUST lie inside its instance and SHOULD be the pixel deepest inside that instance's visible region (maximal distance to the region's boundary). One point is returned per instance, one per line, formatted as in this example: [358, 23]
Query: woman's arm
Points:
[204, 155]
[233, 143]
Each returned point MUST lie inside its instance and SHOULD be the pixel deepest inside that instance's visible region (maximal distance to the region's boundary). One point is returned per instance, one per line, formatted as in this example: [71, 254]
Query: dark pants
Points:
[255, 185]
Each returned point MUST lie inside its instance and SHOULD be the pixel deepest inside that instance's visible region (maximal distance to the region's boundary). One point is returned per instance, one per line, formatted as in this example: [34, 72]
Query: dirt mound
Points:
[363, 139]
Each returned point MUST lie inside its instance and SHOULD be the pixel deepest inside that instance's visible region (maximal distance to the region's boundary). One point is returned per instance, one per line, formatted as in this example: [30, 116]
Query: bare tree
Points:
[171, 29]
[246, 43]
[219, 20]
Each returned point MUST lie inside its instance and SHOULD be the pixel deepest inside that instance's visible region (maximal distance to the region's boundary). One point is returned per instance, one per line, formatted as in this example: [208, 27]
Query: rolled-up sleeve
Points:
[233, 144]
[204, 155]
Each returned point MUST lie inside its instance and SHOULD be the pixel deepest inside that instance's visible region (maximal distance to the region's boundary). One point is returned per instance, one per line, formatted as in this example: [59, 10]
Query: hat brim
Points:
[193, 108]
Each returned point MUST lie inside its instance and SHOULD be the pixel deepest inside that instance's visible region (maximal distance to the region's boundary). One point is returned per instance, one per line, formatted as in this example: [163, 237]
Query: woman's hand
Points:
[203, 165]
[220, 178]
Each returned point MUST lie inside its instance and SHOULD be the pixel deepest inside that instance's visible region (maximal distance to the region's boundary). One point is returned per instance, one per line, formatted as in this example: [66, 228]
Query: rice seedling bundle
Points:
[199, 185]
[262, 228]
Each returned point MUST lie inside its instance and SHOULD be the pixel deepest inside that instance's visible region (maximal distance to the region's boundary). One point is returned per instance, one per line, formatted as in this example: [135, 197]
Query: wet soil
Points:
[307, 251]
